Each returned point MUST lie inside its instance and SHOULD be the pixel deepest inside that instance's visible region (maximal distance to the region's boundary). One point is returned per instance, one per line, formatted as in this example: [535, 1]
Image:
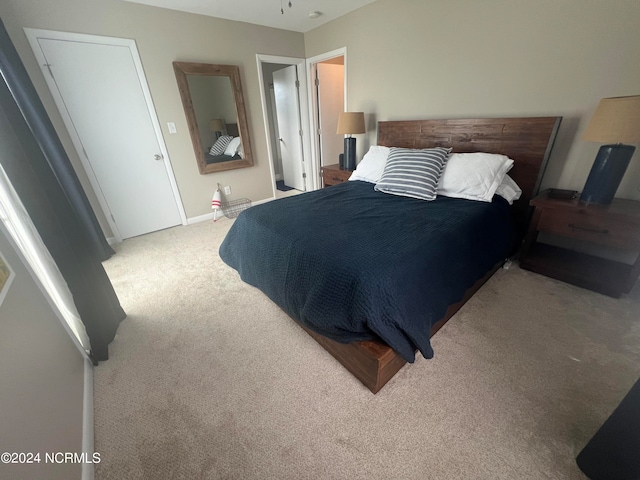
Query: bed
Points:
[372, 276]
[209, 159]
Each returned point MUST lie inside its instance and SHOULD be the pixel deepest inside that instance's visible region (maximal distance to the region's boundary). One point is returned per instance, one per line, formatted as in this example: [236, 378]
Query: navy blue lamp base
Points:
[350, 153]
[606, 174]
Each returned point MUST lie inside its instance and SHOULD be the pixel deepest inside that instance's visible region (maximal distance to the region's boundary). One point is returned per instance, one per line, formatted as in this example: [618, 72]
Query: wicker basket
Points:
[233, 208]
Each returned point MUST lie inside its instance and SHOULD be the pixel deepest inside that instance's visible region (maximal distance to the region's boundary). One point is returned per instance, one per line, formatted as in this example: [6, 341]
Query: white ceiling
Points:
[265, 12]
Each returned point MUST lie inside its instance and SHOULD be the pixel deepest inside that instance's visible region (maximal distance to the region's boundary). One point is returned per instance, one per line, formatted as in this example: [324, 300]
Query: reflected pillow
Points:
[474, 176]
[220, 146]
[413, 173]
[233, 147]
[371, 167]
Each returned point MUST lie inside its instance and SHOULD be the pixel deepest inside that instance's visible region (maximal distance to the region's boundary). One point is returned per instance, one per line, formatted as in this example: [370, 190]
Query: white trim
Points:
[264, 200]
[41, 287]
[87, 389]
[88, 446]
[201, 218]
[300, 64]
[311, 62]
[8, 281]
[33, 34]
[209, 216]
[112, 240]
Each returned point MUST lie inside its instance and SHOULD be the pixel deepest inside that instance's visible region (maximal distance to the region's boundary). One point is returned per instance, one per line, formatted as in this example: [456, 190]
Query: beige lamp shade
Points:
[616, 120]
[350, 123]
[217, 125]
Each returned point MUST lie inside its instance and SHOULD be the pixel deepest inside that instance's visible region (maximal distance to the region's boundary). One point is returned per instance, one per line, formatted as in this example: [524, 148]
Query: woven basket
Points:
[233, 208]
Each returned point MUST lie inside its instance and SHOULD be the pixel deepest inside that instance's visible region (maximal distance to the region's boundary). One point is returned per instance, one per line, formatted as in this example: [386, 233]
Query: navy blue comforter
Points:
[354, 264]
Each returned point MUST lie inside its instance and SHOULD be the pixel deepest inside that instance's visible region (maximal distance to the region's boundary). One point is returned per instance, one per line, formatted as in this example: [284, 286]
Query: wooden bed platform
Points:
[528, 141]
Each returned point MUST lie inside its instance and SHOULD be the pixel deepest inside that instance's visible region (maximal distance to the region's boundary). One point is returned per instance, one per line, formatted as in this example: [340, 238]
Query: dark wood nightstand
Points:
[332, 175]
[616, 225]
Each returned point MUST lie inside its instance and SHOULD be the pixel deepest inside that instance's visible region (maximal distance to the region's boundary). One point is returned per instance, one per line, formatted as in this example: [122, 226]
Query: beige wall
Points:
[212, 98]
[41, 379]
[164, 36]
[405, 59]
[411, 59]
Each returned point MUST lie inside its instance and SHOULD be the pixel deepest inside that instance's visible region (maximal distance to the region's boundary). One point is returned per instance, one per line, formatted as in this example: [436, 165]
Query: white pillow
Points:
[233, 147]
[371, 166]
[509, 190]
[474, 176]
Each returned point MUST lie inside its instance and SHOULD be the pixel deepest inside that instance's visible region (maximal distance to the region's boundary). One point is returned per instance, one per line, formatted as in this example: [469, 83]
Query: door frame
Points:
[313, 107]
[33, 34]
[300, 64]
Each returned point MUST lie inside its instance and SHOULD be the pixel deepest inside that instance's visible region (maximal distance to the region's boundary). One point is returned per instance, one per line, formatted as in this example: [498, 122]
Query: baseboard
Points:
[209, 216]
[279, 177]
[88, 445]
[200, 218]
[111, 240]
[264, 200]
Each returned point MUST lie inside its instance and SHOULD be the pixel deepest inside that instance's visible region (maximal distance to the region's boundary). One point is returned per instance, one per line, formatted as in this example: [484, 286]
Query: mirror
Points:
[214, 107]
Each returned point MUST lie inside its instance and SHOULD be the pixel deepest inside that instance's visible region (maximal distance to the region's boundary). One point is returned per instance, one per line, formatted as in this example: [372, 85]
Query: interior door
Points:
[330, 98]
[104, 106]
[285, 86]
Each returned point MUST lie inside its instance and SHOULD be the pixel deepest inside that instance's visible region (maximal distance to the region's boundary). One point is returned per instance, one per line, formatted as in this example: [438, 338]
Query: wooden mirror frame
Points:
[182, 69]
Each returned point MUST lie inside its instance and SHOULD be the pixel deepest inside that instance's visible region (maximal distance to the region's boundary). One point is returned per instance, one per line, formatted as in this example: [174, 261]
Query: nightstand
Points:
[332, 175]
[616, 225]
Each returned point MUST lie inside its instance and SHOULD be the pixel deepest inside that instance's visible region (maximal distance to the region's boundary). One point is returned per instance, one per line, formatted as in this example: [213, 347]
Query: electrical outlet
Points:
[227, 190]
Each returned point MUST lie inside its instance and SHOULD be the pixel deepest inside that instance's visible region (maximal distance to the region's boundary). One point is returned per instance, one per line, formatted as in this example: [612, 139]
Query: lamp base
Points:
[606, 173]
[350, 153]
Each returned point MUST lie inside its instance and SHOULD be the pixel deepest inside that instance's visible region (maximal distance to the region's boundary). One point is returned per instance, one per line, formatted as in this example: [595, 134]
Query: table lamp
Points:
[350, 123]
[217, 126]
[615, 122]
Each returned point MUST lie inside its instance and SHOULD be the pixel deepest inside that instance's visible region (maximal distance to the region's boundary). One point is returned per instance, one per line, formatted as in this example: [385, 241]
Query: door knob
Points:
[158, 156]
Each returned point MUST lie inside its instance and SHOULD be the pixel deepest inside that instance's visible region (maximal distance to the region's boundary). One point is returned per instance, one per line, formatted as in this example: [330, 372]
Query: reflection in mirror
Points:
[214, 107]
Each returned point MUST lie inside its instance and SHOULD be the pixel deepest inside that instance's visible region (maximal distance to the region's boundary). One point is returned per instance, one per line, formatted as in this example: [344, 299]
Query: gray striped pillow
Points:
[413, 173]
[221, 145]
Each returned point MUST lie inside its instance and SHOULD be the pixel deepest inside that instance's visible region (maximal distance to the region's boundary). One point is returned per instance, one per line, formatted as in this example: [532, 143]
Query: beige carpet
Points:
[209, 380]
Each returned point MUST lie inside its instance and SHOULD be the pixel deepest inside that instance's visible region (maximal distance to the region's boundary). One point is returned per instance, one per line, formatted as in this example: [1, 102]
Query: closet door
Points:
[99, 93]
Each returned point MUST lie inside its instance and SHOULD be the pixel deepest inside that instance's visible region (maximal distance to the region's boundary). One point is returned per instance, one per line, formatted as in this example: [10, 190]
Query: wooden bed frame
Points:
[528, 141]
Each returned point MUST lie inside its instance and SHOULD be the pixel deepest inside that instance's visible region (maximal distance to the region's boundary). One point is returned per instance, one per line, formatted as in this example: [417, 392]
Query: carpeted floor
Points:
[209, 380]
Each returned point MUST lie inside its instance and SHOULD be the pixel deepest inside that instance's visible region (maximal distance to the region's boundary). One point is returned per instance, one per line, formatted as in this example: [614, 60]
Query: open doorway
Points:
[320, 95]
[285, 108]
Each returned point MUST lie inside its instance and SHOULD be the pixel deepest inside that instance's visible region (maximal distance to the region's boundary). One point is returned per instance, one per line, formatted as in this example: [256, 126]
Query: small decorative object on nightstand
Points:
[615, 225]
[562, 194]
[333, 174]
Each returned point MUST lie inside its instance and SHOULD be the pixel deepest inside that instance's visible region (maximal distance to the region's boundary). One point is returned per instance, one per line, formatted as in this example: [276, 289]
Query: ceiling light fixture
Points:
[282, 7]
[314, 14]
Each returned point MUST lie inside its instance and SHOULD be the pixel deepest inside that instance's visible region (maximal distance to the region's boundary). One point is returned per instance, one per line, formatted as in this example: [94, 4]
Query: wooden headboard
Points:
[232, 129]
[527, 141]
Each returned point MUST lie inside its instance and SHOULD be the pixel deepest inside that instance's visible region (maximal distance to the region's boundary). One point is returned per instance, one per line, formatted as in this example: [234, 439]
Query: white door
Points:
[285, 86]
[330, 97]
[98, 91]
